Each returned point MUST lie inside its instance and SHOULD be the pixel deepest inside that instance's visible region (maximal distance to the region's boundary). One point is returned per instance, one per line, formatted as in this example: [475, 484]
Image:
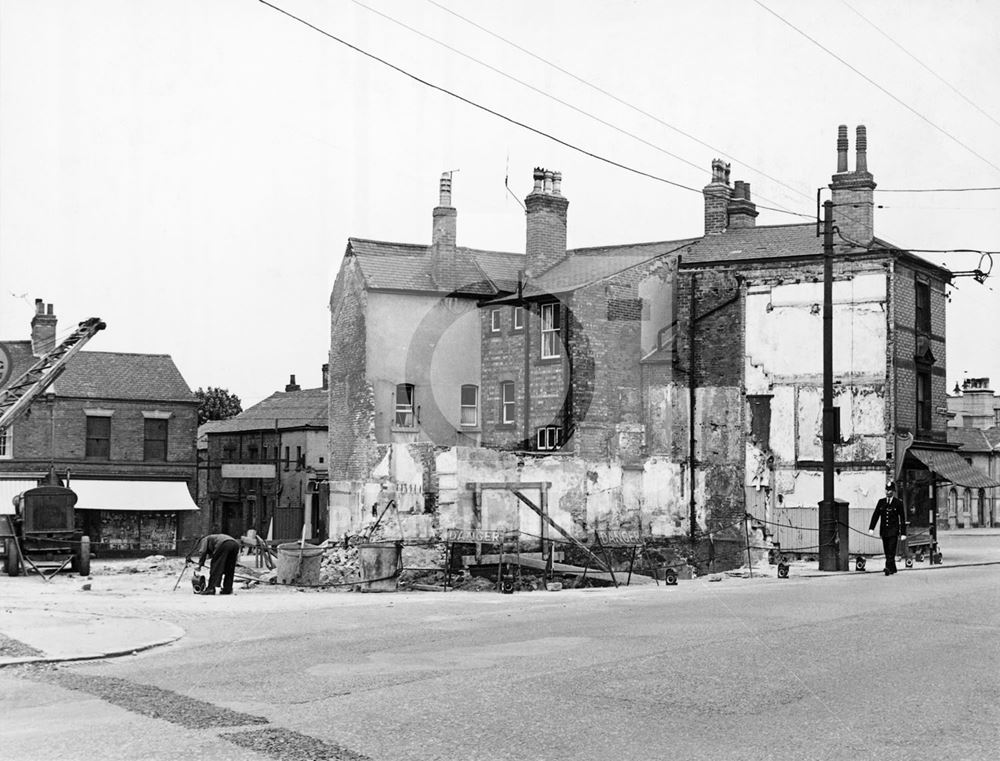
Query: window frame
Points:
[496, 322]
[464, 406]
[550, 330]
[506, 403]
[517, 319]
[924, 400]
[922, 307]
[148, 440]
[408, 409]
[7, 443]
[548, 438]
[92, 440]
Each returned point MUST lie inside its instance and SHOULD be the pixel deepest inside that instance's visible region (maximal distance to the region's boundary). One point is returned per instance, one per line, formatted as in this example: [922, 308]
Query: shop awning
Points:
[158, 496]
[951, 466]
[10, 489]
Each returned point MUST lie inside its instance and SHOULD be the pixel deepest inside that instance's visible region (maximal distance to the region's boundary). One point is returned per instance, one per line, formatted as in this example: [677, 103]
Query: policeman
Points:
[891, 513]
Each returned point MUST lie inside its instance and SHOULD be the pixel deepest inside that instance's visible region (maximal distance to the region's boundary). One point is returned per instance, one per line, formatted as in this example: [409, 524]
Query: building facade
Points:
[119, 429]
[266, 469]
[673, 387]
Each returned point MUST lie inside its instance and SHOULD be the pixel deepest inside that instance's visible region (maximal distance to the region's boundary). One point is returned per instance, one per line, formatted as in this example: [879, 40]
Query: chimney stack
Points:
[326, 376]
[444, 253]
[43, 329]
[292, 385]
[853, 193]
[546, 213]
[717, 194]
[741, 210]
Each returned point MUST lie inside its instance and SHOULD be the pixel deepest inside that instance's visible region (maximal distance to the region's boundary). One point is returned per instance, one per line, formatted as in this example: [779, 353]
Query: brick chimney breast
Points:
[717, 194]
[741, 210]
[853, 194]
[444, 251]
[43, 329]
[546, 214]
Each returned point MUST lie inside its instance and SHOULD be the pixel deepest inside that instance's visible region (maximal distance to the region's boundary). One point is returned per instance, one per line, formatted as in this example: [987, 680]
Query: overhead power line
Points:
[499, 115]
[933, 190]
[615, 98]
[933, 73]
[549, 95]
[875, 84]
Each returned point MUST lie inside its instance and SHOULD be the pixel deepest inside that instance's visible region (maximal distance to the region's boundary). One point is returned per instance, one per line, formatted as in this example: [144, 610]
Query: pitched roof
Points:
[584, 266]
[110, 375]
[282, 410]
[780, 242]
[993, 436]
[969, 439]
[404, 266]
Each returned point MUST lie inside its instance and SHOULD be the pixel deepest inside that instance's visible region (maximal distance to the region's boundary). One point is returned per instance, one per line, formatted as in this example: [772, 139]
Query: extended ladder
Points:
[16, 398]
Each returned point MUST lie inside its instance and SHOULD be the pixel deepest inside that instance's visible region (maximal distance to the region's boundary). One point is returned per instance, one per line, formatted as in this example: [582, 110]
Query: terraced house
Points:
[672, 388]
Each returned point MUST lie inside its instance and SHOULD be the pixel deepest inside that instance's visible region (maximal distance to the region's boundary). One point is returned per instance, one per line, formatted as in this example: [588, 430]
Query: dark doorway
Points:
[232, 519]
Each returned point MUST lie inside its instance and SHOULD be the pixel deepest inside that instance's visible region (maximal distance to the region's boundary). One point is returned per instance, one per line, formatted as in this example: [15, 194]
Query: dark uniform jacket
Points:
[892, 516]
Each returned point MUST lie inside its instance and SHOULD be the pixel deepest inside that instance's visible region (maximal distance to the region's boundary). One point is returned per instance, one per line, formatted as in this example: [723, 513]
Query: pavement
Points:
[62, 620]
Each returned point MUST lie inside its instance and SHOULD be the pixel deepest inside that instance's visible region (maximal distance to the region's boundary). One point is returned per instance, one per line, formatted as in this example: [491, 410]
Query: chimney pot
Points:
[326, 375]
[842, 148]
[861, 144]
[539, 176]
[292, 385]
[557, 183]
[39, 306]
[445, 193]
[547, 188]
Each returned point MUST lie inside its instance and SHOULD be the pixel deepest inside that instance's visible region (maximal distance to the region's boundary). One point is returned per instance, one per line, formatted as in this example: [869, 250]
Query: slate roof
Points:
[781, 242]
[283, 409]
[402, 266]
[969, 439]
[407, 267]
[110, 375]
[584, 266]
[993, 436]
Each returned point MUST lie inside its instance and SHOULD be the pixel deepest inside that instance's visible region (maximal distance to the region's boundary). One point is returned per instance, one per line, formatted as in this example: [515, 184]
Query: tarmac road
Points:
[819, 667]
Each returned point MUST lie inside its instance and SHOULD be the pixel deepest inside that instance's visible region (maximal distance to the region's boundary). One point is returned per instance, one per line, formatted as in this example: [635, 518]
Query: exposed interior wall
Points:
[784, 450]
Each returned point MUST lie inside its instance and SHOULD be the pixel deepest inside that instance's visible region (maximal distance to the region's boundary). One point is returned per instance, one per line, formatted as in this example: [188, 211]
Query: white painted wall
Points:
[430, 341]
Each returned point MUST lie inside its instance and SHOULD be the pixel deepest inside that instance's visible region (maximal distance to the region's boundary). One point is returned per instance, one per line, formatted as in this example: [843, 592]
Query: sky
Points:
[191, 171]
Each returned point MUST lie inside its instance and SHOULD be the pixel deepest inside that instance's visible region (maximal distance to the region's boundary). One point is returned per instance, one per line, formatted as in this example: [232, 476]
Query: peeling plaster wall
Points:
[787, 462]
[584, 496]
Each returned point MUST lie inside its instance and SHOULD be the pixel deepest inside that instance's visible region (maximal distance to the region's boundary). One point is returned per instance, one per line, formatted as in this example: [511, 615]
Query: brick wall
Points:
[907, 343]
[353, 450]
[67, 420]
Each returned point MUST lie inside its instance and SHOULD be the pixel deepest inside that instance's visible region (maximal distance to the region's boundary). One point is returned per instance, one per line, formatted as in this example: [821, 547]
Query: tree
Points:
[217, 404]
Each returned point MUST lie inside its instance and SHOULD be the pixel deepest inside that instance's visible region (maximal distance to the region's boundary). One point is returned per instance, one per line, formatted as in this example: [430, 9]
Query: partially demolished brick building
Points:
[669, 388]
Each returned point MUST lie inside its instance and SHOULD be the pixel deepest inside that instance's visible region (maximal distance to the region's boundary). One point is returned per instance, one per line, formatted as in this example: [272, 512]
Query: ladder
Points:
[17, 397]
